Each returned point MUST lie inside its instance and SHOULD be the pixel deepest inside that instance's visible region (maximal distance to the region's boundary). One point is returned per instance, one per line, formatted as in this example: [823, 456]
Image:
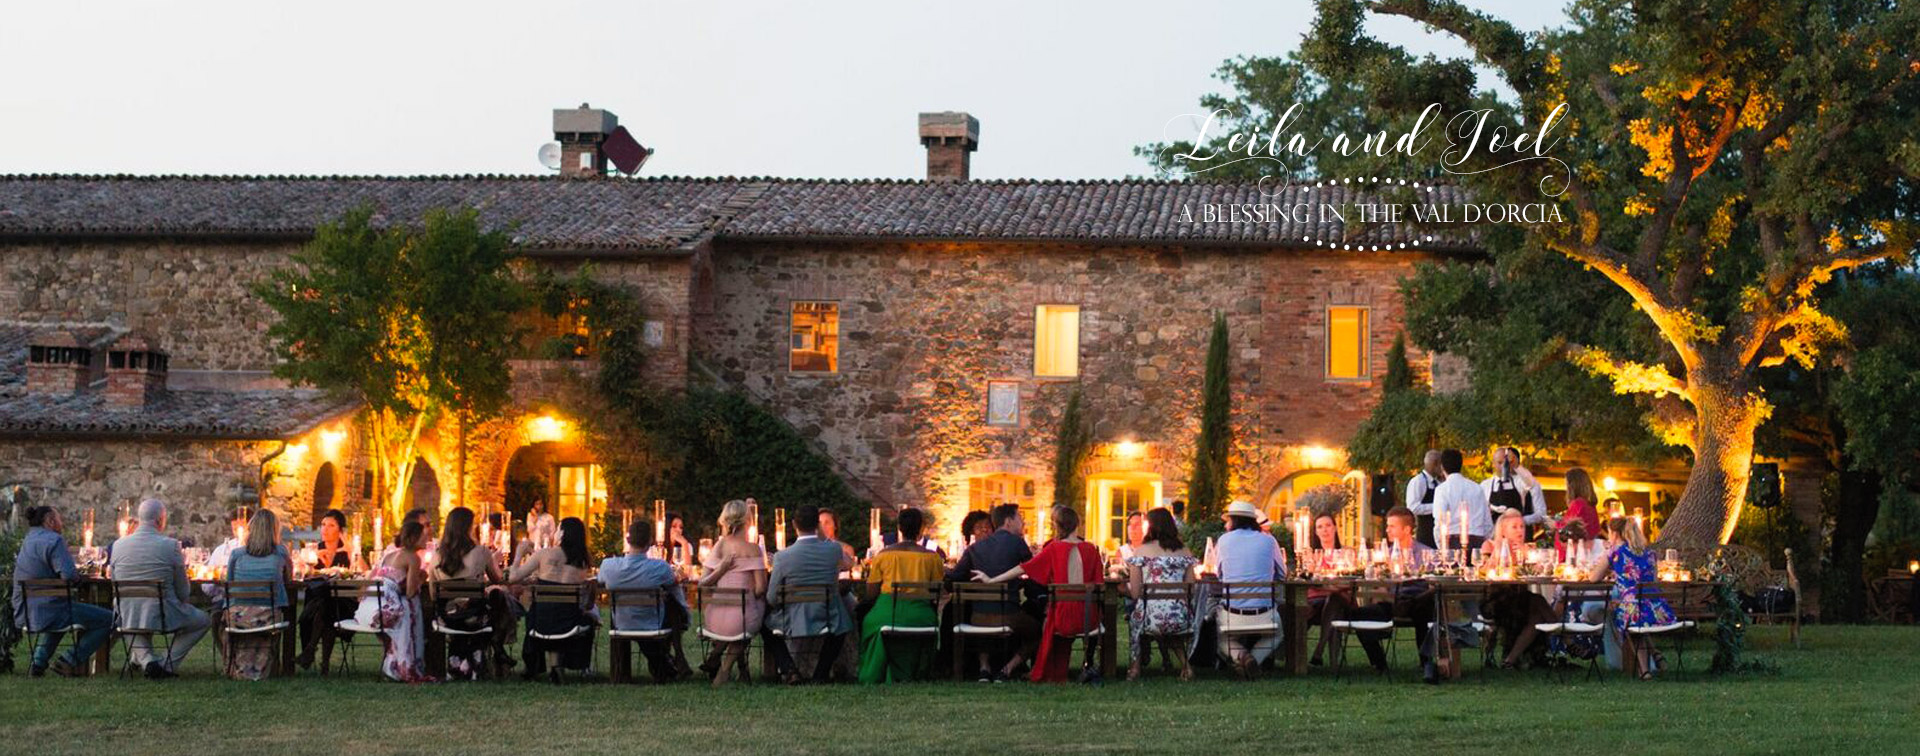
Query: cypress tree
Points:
[1073, 445]
[1207, 489]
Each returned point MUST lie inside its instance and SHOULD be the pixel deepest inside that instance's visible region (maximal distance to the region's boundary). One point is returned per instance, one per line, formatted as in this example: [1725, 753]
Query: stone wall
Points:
[925, 327]
[192, 298]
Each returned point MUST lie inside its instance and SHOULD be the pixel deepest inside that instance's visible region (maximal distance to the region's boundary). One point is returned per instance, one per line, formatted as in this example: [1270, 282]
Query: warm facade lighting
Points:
[1129, 449]
[1609, 483]
[546, 428]
[330, 441]
[1317, 456]
[294, 452]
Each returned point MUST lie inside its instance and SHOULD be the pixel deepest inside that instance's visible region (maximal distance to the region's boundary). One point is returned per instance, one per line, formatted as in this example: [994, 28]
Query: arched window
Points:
[324, 491]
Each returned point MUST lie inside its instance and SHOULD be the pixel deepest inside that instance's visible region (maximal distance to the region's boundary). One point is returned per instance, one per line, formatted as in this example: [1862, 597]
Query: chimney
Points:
[58, 365]
[136, 372]
[950, 139]
[580, 132]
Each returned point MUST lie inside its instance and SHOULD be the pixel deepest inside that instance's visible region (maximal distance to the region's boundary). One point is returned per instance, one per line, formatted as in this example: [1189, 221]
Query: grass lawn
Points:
[1852, 690]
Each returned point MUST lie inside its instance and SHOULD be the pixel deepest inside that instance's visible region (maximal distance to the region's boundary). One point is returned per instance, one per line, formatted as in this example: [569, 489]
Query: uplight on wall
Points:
[546, 428]
[1129, 449]
[330, 441]
[1317, 456]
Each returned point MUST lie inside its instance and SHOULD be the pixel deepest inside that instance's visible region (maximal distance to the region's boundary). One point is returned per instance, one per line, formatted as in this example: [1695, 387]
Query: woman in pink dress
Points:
[736, 567]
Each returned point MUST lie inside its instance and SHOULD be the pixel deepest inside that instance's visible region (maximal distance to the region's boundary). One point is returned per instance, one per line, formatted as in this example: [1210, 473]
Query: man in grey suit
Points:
[809, 560]
[148, 554]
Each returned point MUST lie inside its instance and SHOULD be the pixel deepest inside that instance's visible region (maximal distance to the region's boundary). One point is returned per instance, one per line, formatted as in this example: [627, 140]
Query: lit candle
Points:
[1913, 567]
[486, 533]
[1440, 530]
[753, 521]
[660, 521]
[780, 528]
[379, 534]
[873, 529]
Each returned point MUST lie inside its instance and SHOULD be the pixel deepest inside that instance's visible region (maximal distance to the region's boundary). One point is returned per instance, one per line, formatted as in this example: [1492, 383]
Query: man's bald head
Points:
[152, 512]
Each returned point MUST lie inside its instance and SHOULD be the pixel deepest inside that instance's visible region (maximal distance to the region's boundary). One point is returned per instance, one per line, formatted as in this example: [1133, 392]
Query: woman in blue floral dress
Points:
[1161, 558]
[1630, 565]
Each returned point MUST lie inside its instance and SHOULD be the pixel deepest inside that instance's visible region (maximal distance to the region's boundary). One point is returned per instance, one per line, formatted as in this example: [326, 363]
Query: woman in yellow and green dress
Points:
[906, 561]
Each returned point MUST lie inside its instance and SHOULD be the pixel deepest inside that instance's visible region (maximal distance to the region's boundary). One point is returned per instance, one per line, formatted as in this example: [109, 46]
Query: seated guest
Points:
[1065, 560]
[148, 554]
[261, 559]
[735, 564]
[460, 556]
[679, 550]
[1245, 554]
[906, 561]
[396, 610]
[1630, 565]
[975, 526]
[1326, 604]
[814, 631]
[1513, 609]
[1001, 550]
[1581, 501]
[1136, 531]
[1160, 557]
[635, 570]
[564, 563]
[830, 531]
[318, 611]
[44, 556]
[1412, 599]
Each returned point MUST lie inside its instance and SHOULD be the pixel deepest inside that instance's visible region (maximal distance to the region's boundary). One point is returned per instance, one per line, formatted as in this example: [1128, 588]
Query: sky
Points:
[823, 89]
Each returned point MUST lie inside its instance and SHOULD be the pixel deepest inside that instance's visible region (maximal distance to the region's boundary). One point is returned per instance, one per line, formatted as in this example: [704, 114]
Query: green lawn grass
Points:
[1851, 690]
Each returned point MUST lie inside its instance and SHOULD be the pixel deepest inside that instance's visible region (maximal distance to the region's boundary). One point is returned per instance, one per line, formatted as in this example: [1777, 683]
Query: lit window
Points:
[1056, 341]
[815, 345]
[579, 491]
[1347, 343]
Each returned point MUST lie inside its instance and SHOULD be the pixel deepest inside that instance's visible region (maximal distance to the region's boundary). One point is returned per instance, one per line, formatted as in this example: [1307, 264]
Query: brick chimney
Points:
[950, 139]
[580, 132]
[136, 372]
[58, 365]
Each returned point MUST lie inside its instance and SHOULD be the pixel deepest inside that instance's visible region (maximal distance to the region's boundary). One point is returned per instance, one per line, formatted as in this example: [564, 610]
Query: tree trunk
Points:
[1722, 461]
[1843, 597]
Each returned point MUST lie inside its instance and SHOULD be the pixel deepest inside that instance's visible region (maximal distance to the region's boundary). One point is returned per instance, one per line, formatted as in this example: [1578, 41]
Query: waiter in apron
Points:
[1513, 487]
[1420, 495]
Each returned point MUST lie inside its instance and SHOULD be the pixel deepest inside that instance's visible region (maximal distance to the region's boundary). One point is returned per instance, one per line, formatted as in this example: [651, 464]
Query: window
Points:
[1056, 341]
[1347, 343]
[815, 342]
[579, 491]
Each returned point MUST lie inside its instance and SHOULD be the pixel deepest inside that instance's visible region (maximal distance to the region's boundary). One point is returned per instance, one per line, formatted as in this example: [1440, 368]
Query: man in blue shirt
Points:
[636, 570]
[1002, 550]
[1246, 554]
[44, 556]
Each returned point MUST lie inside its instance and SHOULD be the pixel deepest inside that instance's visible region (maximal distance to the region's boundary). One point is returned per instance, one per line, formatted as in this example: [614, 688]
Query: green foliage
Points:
[1209, 486]
[1896, 537]
[1399, 372]
[604, 537]
[1730, 633]
[10, 537]
[1072, 446]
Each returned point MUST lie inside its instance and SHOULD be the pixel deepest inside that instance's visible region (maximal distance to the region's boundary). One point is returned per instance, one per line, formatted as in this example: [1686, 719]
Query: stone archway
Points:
[423, 489]
[326, 491]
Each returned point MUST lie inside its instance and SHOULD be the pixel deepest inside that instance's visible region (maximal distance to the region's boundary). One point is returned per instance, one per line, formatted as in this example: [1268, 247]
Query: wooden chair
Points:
[444, 592]
[711, 598]
[904, 592]
[346, 629]
[1269, 592]
[1088, 599]
[124, 633]
[1182, 594]
[1575, 595]
[253, 592]
[974, 622]
[44, 589]
[562, 595]
[1364, 595]
[805, 647]
[1691, 605]
[621, 641]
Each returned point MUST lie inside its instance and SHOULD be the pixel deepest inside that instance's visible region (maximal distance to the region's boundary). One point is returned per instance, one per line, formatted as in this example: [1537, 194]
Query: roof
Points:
[231, 415]
[673, 213]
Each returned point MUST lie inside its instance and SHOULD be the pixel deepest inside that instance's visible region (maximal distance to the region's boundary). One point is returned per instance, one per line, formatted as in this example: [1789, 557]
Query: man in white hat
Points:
[1248, 628]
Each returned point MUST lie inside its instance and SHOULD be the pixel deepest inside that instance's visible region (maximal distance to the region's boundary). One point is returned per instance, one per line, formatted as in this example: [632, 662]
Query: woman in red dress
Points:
[1065, 560]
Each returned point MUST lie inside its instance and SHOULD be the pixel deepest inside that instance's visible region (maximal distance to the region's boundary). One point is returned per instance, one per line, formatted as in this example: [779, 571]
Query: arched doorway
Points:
[1281, 501]
[560, 473]
[325, 491]
[423, 489]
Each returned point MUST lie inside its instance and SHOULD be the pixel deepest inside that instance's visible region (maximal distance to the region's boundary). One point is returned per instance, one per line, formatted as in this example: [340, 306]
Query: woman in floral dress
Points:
[1160, 558]
[396, 610]
[1631, 564]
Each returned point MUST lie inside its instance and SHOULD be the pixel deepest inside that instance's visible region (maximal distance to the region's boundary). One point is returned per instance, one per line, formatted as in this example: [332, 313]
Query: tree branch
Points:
[1493, 40]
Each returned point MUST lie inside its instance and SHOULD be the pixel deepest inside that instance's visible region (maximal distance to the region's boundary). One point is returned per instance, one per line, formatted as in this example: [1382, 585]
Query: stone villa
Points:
[924, 334]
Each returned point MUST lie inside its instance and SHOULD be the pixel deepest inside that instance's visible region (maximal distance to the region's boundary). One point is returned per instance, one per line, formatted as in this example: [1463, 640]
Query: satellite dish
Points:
[550, 155]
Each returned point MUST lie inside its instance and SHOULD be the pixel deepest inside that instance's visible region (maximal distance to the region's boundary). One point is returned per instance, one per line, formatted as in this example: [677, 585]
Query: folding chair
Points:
[1687, 601]
[1087, 598]
[904, 592]
[807, 644]
[49, 588]
[1269, 592]
[621, 641]
[252, 592]
[1365, 595]
[1572, 597]
[347, 629]
[444, 592]
[562, 595]
[124, 633]
[1181, 593]
[711, 598]
[973, 622]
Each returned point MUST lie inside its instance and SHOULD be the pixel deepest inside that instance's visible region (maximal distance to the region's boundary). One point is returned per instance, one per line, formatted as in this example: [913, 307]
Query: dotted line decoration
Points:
[1328, 183]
